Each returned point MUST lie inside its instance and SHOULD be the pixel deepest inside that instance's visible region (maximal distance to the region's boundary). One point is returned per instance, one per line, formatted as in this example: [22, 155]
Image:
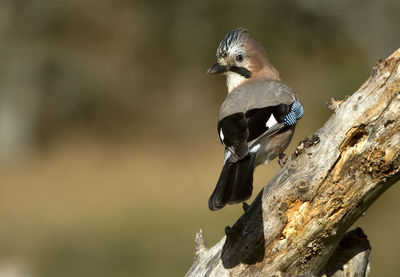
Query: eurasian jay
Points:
[257, 119]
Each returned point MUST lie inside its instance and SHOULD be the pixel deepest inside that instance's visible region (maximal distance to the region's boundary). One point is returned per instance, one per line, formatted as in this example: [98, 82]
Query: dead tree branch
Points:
[296, 225]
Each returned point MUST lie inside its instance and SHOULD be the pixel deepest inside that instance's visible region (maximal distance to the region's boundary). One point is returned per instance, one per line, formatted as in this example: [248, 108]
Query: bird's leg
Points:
[282, 159]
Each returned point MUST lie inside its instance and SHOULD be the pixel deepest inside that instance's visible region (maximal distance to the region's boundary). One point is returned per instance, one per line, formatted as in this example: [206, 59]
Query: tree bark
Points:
[295, 224]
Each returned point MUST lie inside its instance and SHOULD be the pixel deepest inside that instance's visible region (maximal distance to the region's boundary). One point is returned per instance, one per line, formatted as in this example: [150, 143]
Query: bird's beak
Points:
[217, 68]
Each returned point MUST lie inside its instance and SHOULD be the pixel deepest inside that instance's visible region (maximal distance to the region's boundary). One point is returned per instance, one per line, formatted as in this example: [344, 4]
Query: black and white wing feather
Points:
[240, 131]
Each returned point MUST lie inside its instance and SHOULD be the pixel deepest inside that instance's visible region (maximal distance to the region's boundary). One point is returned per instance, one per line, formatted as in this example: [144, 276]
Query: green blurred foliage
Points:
[108, 122]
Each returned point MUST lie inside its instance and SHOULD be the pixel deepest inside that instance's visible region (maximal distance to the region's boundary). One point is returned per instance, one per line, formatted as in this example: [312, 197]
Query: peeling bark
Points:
[299, 219]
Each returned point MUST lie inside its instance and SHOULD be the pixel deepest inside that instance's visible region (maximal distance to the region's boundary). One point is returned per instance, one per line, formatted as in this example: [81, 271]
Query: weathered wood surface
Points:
[295, 224]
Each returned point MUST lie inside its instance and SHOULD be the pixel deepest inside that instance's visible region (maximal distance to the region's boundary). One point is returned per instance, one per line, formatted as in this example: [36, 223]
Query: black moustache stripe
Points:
[240, 70]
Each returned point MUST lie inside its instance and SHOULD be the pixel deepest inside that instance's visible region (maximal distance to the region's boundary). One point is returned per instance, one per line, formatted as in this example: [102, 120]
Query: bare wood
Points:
[295, 224]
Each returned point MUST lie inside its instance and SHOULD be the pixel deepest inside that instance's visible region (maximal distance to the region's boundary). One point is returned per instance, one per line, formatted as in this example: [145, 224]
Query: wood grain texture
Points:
[297, 221]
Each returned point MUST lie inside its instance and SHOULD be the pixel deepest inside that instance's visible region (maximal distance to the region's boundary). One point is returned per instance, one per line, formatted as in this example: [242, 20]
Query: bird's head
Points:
[241, 58]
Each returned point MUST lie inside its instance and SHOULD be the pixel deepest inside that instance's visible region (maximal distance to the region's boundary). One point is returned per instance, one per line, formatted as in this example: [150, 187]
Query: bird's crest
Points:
[232, 40]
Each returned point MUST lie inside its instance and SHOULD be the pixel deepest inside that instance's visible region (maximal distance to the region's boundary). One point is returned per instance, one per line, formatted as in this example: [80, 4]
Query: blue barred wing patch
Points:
[296, 112]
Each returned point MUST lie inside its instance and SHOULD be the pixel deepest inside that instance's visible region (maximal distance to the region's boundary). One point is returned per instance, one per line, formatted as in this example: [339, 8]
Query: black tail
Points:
[235, 183]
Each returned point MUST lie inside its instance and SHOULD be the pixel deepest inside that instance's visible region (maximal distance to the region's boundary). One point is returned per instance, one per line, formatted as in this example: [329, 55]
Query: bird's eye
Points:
[239, 58]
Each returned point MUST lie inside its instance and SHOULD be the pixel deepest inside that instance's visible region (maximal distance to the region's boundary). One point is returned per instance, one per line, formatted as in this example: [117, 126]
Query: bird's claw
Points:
[282, 159]
[245, 206]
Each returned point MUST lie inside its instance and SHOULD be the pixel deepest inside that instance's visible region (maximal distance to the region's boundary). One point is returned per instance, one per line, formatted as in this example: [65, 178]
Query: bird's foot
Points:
[245, 206]
[282, 159]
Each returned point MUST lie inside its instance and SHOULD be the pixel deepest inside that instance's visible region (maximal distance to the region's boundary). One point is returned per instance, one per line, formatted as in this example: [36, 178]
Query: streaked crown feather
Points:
[232, 40]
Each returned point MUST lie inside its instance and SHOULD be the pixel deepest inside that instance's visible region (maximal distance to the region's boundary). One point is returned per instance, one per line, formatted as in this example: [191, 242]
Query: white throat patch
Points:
[233, 80]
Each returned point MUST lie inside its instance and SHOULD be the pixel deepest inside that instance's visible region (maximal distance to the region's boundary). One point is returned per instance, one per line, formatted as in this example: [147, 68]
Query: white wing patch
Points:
[221, 135]
[227, 155]
[271, 121]
[255, 148]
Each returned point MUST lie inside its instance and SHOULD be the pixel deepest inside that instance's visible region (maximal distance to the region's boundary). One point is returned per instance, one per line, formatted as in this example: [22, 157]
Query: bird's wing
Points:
[239, 132]
[234, 132]
[265, 122]
[252, 113]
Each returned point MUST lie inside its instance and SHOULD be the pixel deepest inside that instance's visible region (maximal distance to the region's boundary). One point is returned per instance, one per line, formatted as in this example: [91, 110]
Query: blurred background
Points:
[108, 141]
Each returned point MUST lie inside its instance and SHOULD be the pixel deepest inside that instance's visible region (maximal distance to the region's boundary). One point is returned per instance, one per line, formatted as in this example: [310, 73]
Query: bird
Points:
[256, 120]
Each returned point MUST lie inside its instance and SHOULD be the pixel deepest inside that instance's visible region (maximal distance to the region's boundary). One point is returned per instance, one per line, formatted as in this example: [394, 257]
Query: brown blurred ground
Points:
[108, 143]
